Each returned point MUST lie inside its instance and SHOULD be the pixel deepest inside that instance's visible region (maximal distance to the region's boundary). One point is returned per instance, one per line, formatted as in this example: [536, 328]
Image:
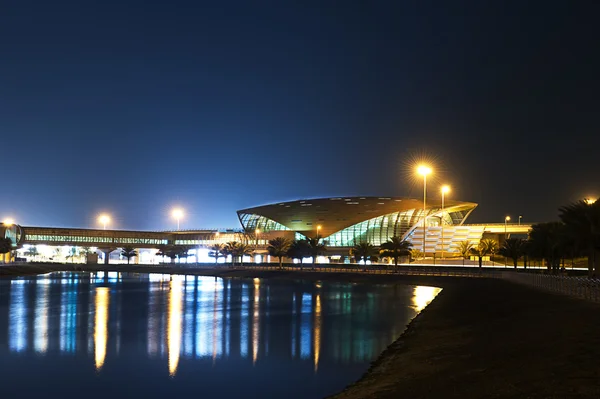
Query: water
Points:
[120, 336]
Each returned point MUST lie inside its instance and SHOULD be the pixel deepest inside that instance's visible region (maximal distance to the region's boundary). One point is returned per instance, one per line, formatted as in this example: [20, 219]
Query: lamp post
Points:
[424, 170]
[104, 220]
[177, 214]
[506, 220]
[520, 217]
[445, 190]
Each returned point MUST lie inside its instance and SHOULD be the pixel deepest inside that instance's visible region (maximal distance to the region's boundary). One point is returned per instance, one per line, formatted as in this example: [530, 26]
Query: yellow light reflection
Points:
[422, 296]
[174, 332]
[41, 317]
[101, 325]
[317, 336]
[255, 321]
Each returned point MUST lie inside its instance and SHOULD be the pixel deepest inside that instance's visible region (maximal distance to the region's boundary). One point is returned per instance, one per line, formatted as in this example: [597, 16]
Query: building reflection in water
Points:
[423, 295]
[317, 332]
[256, 321]
[101, 325]
[174, 326]
[210, 318]
[17, 322]
[42, 305]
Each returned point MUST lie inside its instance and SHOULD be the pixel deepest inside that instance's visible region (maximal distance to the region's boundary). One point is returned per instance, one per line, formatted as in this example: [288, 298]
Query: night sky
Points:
[132, 107]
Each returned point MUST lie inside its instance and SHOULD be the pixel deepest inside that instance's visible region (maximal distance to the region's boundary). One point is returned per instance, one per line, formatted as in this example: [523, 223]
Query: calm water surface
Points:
[155, 336]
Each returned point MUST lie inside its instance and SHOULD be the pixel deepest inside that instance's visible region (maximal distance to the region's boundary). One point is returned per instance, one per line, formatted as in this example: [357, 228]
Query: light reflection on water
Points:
[100, 325]
[282, 329]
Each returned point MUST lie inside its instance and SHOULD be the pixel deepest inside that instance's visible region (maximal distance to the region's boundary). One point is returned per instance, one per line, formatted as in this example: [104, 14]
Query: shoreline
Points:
[478, 338]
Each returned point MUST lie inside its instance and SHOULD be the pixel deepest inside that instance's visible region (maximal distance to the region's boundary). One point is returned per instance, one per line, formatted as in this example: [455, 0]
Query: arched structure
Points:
[346, 221]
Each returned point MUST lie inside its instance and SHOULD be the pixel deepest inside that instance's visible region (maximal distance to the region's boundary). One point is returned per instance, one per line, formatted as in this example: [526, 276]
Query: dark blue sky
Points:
[131, 107]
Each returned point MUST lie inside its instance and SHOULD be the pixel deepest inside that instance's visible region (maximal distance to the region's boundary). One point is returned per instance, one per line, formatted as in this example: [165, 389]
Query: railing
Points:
[578, 287]
[444, 271]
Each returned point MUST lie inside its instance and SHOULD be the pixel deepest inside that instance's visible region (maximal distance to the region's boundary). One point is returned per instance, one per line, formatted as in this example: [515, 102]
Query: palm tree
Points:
[216, 250]
[181, 251]
[582, 223]
[243, 250]
[230, 249]
[172, 252]
[128, 252]
[315, 248]
[32, 252]
[546, 241]
[72, 254]
[465, 249]
[279, 248]
[162, 251]
[513, 248]
[416, 253]
[363, 251]
[486, 247]
[299, 249]
[5, 246]
[394, 248]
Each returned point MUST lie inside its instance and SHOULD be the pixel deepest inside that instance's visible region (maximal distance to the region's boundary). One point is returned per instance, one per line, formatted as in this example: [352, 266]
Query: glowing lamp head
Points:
[445, 189]
[423, 170]
[590, 201]
[104, 219]
[177, 213]
[507, 219]
[8, 222]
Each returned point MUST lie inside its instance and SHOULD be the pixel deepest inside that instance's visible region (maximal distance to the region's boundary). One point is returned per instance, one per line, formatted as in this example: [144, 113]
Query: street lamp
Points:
[318, 228]
[104, 220]
[506, 220]
[256, 232]
[424, 170]
[520, 217]
[445, 190]
[177, 214]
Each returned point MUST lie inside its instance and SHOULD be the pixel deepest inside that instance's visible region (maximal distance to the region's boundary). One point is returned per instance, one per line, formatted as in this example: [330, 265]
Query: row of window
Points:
[85, 239]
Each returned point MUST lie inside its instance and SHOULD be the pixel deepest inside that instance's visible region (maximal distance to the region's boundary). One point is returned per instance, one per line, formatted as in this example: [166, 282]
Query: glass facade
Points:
[252, 221]
[378, 229]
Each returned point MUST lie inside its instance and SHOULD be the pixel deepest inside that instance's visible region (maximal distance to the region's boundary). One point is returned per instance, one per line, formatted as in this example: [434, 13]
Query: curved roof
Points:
[335, 214]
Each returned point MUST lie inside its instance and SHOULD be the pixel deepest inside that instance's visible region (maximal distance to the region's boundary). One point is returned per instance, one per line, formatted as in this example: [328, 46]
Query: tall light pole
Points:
[104, 220]
[256, 232]
[506, 220]
[445, 190]
[424, 170]
[520, 217]
[177, 214]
